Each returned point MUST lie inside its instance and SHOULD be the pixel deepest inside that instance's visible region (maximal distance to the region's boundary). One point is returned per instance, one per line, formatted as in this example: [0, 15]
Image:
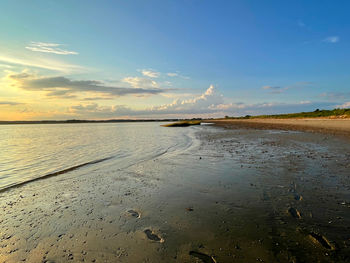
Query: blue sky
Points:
[150, 59]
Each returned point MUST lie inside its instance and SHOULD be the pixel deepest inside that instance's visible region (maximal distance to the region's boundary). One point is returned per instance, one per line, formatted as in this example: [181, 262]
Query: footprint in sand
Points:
[205, 258]
[153, 236]
[298, 197]
[323, 241]
[294, 213]
[134, 213]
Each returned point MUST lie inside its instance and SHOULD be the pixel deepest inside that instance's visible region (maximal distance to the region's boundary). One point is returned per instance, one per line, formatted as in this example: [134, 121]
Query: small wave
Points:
[54, 174]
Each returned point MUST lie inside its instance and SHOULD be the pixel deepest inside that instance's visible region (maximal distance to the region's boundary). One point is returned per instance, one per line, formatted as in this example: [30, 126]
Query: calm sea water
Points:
[32, 151]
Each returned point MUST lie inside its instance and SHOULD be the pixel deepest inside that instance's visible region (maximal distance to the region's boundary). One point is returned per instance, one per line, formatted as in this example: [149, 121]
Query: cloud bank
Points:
[63, 87]
[209, 104]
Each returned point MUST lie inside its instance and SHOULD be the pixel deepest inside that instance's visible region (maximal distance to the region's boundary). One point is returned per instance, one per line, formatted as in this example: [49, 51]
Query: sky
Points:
[171, 59]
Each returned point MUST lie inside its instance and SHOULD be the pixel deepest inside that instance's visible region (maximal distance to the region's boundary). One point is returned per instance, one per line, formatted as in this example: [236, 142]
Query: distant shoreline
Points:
[82, 121]
[317, 114]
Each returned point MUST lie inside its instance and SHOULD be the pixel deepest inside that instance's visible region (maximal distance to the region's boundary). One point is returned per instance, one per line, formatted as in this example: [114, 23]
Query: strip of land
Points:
[182, 124]
[322, 125]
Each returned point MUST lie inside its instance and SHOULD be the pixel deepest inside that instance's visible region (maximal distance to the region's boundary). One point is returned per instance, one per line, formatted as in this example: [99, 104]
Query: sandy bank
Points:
[330, 126]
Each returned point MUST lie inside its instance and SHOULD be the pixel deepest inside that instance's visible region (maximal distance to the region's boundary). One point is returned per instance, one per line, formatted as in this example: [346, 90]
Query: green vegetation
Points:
[312, 114]
[182, 123]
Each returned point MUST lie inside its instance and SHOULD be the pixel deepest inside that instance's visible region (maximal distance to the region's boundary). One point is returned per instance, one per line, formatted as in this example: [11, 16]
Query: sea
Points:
[33, 151]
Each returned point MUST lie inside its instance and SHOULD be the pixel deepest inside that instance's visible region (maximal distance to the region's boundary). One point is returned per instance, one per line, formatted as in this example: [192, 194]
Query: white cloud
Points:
[150, 73]
[49, 48]
[344, 105]
[202, 103]
[331, 39]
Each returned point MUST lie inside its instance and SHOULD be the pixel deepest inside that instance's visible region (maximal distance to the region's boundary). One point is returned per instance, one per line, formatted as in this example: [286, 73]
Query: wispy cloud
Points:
[279, 89]
[336, 95]
[156, 74]
[10, 103]
[5, 66]
[275, 89]
[49, 48]
[177, 74]
[331, 39]
[150, 73]
[97, 98]
[138, 82]
[172, 74]
[42, 63]
[63, 87]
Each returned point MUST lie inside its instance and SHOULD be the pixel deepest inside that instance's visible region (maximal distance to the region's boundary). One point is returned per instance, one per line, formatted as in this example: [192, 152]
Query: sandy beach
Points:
[323, 125]
[234, 195]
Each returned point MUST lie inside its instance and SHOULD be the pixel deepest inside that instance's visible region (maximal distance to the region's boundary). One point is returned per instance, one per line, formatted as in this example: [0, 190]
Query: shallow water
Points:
[32, 151]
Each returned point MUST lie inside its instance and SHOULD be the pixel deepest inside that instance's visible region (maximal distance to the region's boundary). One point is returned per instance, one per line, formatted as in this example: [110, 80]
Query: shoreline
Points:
[319, 125]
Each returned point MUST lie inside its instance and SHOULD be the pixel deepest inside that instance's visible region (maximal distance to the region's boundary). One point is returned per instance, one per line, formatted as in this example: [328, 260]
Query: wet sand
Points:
[236, 195]
[335, 126]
